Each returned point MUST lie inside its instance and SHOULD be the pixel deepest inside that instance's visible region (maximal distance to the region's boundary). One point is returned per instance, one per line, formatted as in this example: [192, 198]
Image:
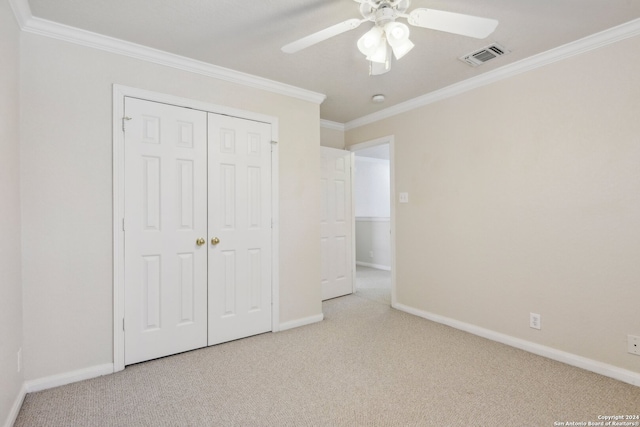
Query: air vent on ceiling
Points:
[485, 54]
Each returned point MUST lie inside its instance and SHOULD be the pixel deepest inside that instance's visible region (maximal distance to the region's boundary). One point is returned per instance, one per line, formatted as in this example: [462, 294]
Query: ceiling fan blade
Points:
[456, 23]
[322, 35]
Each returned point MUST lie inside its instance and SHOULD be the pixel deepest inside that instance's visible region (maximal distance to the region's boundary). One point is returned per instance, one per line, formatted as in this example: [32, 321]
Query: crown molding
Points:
[31, 24]
[328, 124]
[43, 27]
[586, 44]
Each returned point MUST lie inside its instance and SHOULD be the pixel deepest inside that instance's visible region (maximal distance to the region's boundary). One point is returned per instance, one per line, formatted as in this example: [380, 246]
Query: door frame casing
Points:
[119, 94]
[390, 139]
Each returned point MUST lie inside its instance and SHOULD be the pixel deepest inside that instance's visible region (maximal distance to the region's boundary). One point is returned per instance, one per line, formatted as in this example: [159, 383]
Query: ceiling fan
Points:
[388, 36]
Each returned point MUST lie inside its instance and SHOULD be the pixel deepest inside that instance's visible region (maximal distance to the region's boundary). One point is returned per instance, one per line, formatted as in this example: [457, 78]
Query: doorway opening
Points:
[374, 210]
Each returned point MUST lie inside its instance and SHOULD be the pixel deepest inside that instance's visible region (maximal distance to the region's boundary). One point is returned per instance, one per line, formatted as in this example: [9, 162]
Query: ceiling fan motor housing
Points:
[385, 14]
[383, 11]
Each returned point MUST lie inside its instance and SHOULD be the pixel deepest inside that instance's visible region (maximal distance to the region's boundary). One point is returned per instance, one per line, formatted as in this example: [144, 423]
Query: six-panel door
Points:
[336, 223]
[197, 229]
[165, 215]
[240, 218]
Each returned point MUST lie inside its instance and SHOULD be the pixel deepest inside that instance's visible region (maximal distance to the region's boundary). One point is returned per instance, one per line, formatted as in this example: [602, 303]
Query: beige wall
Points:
[525, 197]
[10, 269]
[332, 138]
[67, 194]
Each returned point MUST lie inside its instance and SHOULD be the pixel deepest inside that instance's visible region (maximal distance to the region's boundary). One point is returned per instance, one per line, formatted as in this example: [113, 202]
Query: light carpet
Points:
[374, 284]
[364, 365]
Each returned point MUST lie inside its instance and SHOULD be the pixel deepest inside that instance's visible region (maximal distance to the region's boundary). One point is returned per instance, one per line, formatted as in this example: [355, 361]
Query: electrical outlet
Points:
[404, 197]
[534, 321]
[370, 254]
[633, 344]
[20, 360]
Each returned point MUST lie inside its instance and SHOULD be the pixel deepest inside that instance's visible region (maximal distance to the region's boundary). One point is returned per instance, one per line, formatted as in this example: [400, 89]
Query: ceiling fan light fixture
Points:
[370, 41]
[397, 32]
[381, 54]
[402, 49]
[398, 37]
[383, 14]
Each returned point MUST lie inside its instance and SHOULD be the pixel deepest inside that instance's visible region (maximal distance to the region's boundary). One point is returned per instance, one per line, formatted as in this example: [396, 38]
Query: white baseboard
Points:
[605, 369]
[377, 266]
[301, 322]
[68, 377]
[15, 409]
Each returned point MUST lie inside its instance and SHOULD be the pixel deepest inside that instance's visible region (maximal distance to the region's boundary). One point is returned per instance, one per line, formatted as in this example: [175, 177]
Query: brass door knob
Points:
[200, 241]
[215, 241]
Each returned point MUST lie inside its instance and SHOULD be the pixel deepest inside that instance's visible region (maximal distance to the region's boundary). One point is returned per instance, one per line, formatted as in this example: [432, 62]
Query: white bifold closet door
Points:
[165, 215]
[336, 223]
[197, 229]
[240, 219]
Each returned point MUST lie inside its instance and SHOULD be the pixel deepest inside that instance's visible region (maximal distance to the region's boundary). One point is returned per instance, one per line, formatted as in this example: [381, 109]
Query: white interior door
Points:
[239, 228]
[336, 223]
[165, 215]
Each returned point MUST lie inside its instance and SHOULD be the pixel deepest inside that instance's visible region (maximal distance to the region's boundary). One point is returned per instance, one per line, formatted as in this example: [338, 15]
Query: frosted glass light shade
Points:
[380, 55]
[398, 37]
[370, 41]
[401, 50]
[397, 32]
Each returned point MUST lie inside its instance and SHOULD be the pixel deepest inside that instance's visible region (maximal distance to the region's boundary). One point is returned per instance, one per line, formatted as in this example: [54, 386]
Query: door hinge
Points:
[122, 224]
[123, 323]
[125, 119]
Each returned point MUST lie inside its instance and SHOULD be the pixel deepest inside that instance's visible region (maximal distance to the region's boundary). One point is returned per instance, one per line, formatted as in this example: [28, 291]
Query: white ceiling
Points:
[247, 36]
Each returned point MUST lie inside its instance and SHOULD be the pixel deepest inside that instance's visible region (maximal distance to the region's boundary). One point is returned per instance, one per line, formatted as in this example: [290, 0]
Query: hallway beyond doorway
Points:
[374, 284]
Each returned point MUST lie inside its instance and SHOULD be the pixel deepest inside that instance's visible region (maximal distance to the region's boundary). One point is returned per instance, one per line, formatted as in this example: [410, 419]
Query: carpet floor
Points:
[374, 284]
[364, 365]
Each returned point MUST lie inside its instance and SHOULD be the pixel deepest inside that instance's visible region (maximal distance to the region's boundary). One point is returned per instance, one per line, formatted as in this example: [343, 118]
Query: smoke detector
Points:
[377, 98]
